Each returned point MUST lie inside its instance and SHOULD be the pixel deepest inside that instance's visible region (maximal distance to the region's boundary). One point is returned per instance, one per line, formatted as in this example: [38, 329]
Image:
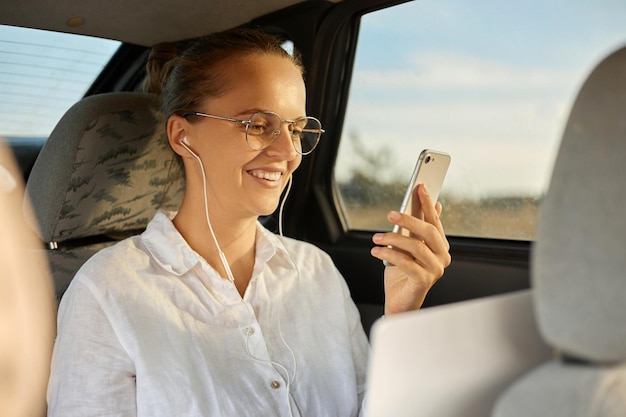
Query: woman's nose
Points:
[283, 146]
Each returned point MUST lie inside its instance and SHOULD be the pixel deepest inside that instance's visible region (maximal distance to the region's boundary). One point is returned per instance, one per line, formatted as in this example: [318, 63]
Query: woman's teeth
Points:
[270, 176]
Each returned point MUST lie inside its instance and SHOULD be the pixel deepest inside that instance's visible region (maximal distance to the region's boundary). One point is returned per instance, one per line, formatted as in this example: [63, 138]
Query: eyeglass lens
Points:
[264, 129]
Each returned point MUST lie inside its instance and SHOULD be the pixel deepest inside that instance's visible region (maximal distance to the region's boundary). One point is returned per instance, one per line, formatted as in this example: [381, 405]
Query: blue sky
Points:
[489, 81]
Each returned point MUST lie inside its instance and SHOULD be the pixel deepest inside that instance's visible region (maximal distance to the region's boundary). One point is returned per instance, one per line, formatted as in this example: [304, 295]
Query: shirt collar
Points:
[170, 250]
[167, 246]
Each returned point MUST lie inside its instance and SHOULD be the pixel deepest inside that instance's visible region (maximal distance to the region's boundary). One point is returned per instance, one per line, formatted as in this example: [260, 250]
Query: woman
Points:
[207, 313]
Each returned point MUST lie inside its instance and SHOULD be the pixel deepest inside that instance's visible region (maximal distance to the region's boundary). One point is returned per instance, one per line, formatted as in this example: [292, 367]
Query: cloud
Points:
[502, 124]
[449, 72]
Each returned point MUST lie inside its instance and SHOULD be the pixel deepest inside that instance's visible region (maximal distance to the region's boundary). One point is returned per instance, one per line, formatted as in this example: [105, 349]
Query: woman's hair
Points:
[157, 66]
[199, 73]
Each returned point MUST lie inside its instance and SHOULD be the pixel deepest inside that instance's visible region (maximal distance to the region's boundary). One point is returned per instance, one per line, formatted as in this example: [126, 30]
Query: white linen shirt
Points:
[148, 328]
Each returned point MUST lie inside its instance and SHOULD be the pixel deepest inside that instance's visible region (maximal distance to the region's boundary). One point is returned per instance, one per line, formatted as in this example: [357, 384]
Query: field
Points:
[494, 217]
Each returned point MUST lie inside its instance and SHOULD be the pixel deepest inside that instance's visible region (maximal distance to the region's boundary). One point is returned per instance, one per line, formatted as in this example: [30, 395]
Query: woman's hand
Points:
[416, 261]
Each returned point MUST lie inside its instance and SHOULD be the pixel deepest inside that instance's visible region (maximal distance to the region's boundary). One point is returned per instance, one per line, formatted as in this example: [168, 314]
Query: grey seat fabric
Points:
[103, 173]
[579, 263]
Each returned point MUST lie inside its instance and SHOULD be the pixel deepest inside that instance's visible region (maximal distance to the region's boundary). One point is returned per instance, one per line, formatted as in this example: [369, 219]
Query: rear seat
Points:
[103, 173]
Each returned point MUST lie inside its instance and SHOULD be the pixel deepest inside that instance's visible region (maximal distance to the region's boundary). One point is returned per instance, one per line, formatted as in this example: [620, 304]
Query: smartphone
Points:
[430, 170]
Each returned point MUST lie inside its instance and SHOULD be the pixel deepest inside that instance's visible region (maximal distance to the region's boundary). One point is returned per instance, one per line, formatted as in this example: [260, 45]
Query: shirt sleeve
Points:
[91, 373]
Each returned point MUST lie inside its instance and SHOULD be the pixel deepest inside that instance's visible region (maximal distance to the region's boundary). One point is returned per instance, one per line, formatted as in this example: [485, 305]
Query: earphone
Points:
[185, 144]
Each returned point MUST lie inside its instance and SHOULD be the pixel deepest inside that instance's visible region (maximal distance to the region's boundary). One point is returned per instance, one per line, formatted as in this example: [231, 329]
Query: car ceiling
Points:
[139, 22]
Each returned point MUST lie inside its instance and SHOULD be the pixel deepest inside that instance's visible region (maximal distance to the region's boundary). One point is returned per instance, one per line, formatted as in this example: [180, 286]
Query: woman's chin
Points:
[265, 208]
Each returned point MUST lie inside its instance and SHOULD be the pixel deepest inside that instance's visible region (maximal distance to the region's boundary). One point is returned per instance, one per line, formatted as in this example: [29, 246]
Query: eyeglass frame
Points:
[247, 124]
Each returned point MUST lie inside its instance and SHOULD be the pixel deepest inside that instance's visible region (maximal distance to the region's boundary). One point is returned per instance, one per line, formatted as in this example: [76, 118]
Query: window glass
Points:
[490, 82]
[42, 74]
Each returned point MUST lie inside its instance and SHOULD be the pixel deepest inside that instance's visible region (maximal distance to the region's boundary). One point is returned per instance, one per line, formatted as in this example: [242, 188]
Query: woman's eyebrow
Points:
[250, 112]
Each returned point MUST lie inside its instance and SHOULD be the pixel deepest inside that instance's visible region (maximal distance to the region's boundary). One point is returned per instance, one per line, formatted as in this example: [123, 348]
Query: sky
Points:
[489, 81]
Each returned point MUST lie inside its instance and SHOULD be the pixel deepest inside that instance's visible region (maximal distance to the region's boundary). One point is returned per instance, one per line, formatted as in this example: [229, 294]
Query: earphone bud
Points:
[185, 144]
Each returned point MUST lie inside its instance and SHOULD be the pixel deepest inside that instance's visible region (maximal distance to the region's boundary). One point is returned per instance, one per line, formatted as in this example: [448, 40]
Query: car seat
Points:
[103, 173]
[578, 263]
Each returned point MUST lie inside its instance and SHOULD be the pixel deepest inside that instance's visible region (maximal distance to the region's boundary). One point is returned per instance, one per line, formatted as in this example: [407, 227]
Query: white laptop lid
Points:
[453, 360]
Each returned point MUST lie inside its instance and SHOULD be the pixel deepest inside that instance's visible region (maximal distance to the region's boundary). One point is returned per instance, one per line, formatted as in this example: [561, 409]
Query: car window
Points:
[42, 74]
[489, 82]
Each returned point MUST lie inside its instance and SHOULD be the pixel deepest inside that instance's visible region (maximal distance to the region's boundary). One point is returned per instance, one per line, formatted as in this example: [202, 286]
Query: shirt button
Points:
[249, 331]
[275, 384]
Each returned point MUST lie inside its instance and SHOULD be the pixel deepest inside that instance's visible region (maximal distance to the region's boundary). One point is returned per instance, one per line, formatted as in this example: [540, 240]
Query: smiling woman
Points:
[207, 312]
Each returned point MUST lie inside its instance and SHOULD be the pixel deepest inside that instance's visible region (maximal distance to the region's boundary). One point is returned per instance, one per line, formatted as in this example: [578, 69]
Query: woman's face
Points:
[242, 181]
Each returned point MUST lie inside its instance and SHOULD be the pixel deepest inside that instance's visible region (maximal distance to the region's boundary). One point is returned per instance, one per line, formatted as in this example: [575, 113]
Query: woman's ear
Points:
[177, 130]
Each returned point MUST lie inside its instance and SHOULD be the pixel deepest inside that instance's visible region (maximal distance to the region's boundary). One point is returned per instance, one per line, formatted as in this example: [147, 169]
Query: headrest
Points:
[579, 259]
[106, 168]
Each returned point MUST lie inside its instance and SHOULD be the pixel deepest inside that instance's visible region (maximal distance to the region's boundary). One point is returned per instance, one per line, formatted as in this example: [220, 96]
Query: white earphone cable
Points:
[223, 259]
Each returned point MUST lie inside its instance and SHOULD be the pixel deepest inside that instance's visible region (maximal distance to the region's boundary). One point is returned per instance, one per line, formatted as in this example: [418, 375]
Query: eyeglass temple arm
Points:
[230, 119]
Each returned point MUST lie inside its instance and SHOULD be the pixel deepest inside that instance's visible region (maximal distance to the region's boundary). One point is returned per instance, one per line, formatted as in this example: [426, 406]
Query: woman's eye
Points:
[256, 128]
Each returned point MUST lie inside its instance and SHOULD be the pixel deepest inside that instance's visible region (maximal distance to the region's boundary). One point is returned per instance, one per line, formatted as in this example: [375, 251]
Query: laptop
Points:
[452, 360]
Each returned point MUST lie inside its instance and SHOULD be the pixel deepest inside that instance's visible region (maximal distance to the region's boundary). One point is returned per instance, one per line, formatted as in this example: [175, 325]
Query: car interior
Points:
[532, 115]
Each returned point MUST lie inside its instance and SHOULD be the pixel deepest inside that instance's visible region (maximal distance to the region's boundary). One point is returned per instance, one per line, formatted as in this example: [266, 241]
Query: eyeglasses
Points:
[263, 128]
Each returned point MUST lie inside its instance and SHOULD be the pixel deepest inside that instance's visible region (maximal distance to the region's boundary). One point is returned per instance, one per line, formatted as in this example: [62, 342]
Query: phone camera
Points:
[428, 158]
